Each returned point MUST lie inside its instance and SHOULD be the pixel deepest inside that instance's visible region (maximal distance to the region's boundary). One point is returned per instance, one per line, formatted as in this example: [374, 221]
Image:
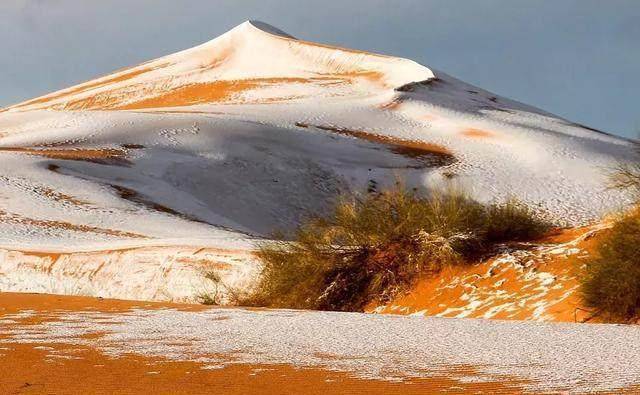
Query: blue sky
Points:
[579, 59]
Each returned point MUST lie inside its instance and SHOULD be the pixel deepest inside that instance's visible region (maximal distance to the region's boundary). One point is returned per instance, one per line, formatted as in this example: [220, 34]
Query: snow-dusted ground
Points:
[169, 274]
[244, 135]
[539, 282]
[546, 357]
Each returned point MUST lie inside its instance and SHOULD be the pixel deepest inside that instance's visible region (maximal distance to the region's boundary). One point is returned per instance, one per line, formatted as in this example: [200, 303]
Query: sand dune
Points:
[220, 145]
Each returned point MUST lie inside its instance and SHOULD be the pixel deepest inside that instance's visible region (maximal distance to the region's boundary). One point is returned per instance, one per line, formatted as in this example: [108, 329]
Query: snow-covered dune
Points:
[253, 62]
[219, 145]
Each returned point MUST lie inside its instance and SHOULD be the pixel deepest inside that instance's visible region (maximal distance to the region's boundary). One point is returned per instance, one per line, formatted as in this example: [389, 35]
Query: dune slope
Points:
[220, 145]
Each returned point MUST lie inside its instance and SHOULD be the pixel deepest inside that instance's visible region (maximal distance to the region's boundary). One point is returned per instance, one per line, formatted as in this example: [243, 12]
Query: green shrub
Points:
[372, 248]
[611, 283]
[513, 221]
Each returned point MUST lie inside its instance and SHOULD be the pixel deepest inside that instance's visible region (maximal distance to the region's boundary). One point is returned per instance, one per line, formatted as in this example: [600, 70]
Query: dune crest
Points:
[232, 68]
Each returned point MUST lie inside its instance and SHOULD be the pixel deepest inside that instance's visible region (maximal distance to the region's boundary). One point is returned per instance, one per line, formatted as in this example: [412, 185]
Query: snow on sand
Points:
[545, 357]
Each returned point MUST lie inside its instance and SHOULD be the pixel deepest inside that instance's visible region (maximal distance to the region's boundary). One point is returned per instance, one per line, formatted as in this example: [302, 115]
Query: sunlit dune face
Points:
[125, 91]
[218, 91]
[217, 58]
[90, 85]
[236, 62]
[479, 133]
[332, 47]
[134, 95]
[397, 104]
[160, 94]
[369, 75]
[221, 91]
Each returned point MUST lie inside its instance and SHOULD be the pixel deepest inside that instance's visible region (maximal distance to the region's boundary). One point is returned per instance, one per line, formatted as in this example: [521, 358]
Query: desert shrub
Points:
[626, 175]
[371, 248]
[611, 282]
[513, 221]
[211, 297]
[219, 293]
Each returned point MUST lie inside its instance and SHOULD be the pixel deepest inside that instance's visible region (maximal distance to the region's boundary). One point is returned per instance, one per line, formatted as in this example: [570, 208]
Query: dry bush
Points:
[372, 248]
[611, 283]
[513, 221]
[626, 175]
[219, 293]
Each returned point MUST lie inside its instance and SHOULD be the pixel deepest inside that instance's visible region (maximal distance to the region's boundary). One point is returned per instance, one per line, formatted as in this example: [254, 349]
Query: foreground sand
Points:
[68, 345]
[59, 368]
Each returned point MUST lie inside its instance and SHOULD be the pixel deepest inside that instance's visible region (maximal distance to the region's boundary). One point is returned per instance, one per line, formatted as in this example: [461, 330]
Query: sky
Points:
[579, 59]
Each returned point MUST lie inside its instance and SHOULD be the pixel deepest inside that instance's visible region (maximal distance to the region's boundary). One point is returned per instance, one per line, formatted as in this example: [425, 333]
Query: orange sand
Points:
[38, 371]
[408, 148]
[472, 132]
[84, 87]
[507, 285]
[19, 219]
[60, 197]
[102, 155]
[199, 93]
